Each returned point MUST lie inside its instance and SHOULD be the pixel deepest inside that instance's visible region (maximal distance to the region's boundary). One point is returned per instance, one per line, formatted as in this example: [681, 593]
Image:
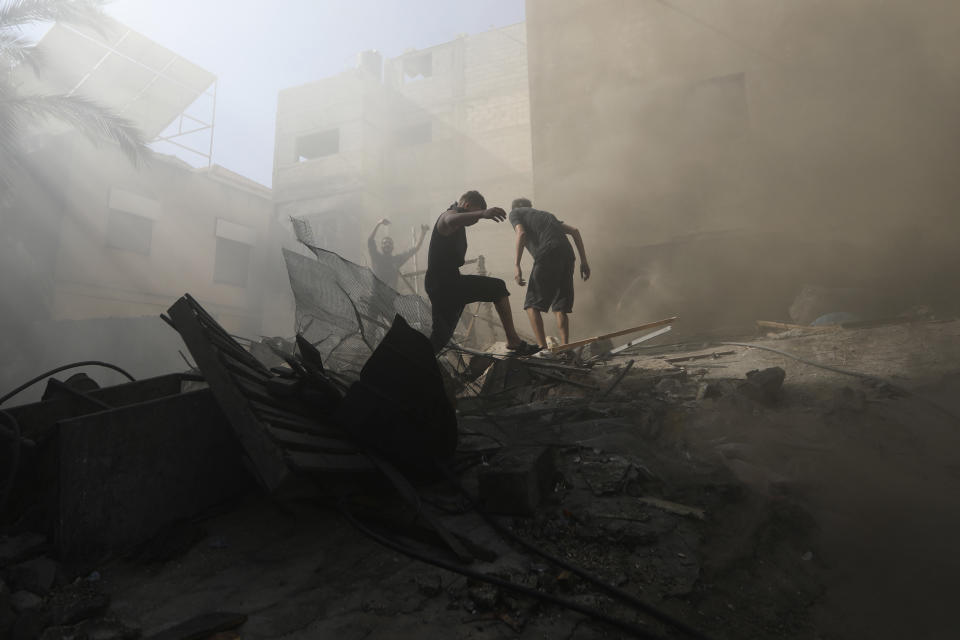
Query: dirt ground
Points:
[827, 510]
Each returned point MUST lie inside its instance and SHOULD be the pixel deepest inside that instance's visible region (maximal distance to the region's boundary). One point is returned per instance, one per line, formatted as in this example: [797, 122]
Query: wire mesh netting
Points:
[342, 308]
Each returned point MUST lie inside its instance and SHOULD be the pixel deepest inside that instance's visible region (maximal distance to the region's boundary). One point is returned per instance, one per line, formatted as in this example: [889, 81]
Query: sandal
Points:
[524, 349]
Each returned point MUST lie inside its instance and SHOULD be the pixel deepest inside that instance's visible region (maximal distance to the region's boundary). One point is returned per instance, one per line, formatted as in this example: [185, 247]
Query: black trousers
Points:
[449, 299]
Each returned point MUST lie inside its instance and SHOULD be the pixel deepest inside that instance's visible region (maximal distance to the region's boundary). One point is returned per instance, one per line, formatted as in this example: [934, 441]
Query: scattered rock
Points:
[763, 385]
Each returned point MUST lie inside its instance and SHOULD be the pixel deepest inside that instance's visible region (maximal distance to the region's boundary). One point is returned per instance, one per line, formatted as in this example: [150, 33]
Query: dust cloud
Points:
[721, 156]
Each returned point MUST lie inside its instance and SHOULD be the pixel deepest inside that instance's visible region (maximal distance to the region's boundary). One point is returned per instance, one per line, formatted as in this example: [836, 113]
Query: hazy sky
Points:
[258, 48]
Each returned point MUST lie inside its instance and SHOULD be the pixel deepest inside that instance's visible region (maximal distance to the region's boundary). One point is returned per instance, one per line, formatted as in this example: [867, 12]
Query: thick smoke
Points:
[726, 155]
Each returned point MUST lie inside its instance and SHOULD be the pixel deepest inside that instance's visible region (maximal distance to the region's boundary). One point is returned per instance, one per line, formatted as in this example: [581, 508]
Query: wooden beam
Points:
[580, 343]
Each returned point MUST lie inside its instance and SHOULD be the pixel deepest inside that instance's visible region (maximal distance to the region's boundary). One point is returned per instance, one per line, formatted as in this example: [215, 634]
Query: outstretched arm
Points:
[451, 220]
[372, 240]
[520, 244]
[409, 253]
[578, 240]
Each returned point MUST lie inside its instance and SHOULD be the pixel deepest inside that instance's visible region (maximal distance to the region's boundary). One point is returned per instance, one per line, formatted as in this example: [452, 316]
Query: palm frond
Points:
[14, 14]
[16, 50]
[83, 114]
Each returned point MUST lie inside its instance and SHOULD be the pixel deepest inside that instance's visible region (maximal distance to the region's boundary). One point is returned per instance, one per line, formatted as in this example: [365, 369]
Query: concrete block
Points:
[517, 480]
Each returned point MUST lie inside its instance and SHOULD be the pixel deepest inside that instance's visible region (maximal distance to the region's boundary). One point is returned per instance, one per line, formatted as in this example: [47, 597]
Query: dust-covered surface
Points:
[823, 508]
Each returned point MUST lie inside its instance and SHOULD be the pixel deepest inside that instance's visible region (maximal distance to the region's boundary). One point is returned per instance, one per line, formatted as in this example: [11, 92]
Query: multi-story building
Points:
[91, 237]
[403, 138]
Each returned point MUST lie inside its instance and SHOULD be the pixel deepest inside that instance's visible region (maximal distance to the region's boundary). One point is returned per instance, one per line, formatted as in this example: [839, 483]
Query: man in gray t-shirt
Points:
[551, 278]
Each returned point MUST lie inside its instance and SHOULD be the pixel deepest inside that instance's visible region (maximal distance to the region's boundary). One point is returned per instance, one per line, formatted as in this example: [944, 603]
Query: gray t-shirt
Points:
[544, 232]
[385, 267]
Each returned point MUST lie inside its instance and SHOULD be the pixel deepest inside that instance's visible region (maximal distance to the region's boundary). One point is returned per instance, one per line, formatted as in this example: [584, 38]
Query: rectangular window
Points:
[232, 263]
[417, 134]
[129, 232]
[318, 145]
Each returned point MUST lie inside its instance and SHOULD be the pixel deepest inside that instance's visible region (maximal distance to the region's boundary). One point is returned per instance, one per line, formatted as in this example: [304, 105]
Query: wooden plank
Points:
[266, 456]
[615, 334]
[784, 326]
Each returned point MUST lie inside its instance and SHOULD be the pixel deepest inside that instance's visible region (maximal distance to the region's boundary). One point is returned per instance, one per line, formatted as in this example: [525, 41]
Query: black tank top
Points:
[445, 257]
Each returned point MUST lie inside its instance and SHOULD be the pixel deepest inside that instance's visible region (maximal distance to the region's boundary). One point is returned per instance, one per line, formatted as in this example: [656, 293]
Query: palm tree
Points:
[19, 111]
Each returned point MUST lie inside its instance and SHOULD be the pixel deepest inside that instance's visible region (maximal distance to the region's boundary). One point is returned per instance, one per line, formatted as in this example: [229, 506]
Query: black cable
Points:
[85, 363]
[610, 589]
[14, 463]
[630, 627]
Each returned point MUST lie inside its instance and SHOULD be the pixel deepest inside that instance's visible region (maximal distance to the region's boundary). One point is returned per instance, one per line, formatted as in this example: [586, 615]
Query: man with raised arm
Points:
[385, 265]
[450, 291]
[551, 278]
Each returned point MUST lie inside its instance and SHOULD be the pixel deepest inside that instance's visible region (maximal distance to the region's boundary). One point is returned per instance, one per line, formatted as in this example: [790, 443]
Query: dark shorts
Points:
[550, 285]
[449, 299]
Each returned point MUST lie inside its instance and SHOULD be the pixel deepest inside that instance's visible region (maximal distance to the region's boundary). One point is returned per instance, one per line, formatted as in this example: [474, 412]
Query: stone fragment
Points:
[763, 385]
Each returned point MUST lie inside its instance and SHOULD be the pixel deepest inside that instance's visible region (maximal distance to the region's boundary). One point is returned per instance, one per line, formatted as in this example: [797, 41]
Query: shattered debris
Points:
[615, 487]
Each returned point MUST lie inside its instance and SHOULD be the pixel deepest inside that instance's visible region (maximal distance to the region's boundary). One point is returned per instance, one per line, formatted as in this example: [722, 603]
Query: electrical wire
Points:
[85, 363]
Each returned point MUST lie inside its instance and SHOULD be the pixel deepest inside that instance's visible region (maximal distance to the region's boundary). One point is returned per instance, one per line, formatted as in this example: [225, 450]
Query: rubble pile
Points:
[622, 491]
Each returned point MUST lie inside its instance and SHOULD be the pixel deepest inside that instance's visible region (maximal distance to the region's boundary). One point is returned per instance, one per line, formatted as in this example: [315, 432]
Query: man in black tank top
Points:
[449, 291]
